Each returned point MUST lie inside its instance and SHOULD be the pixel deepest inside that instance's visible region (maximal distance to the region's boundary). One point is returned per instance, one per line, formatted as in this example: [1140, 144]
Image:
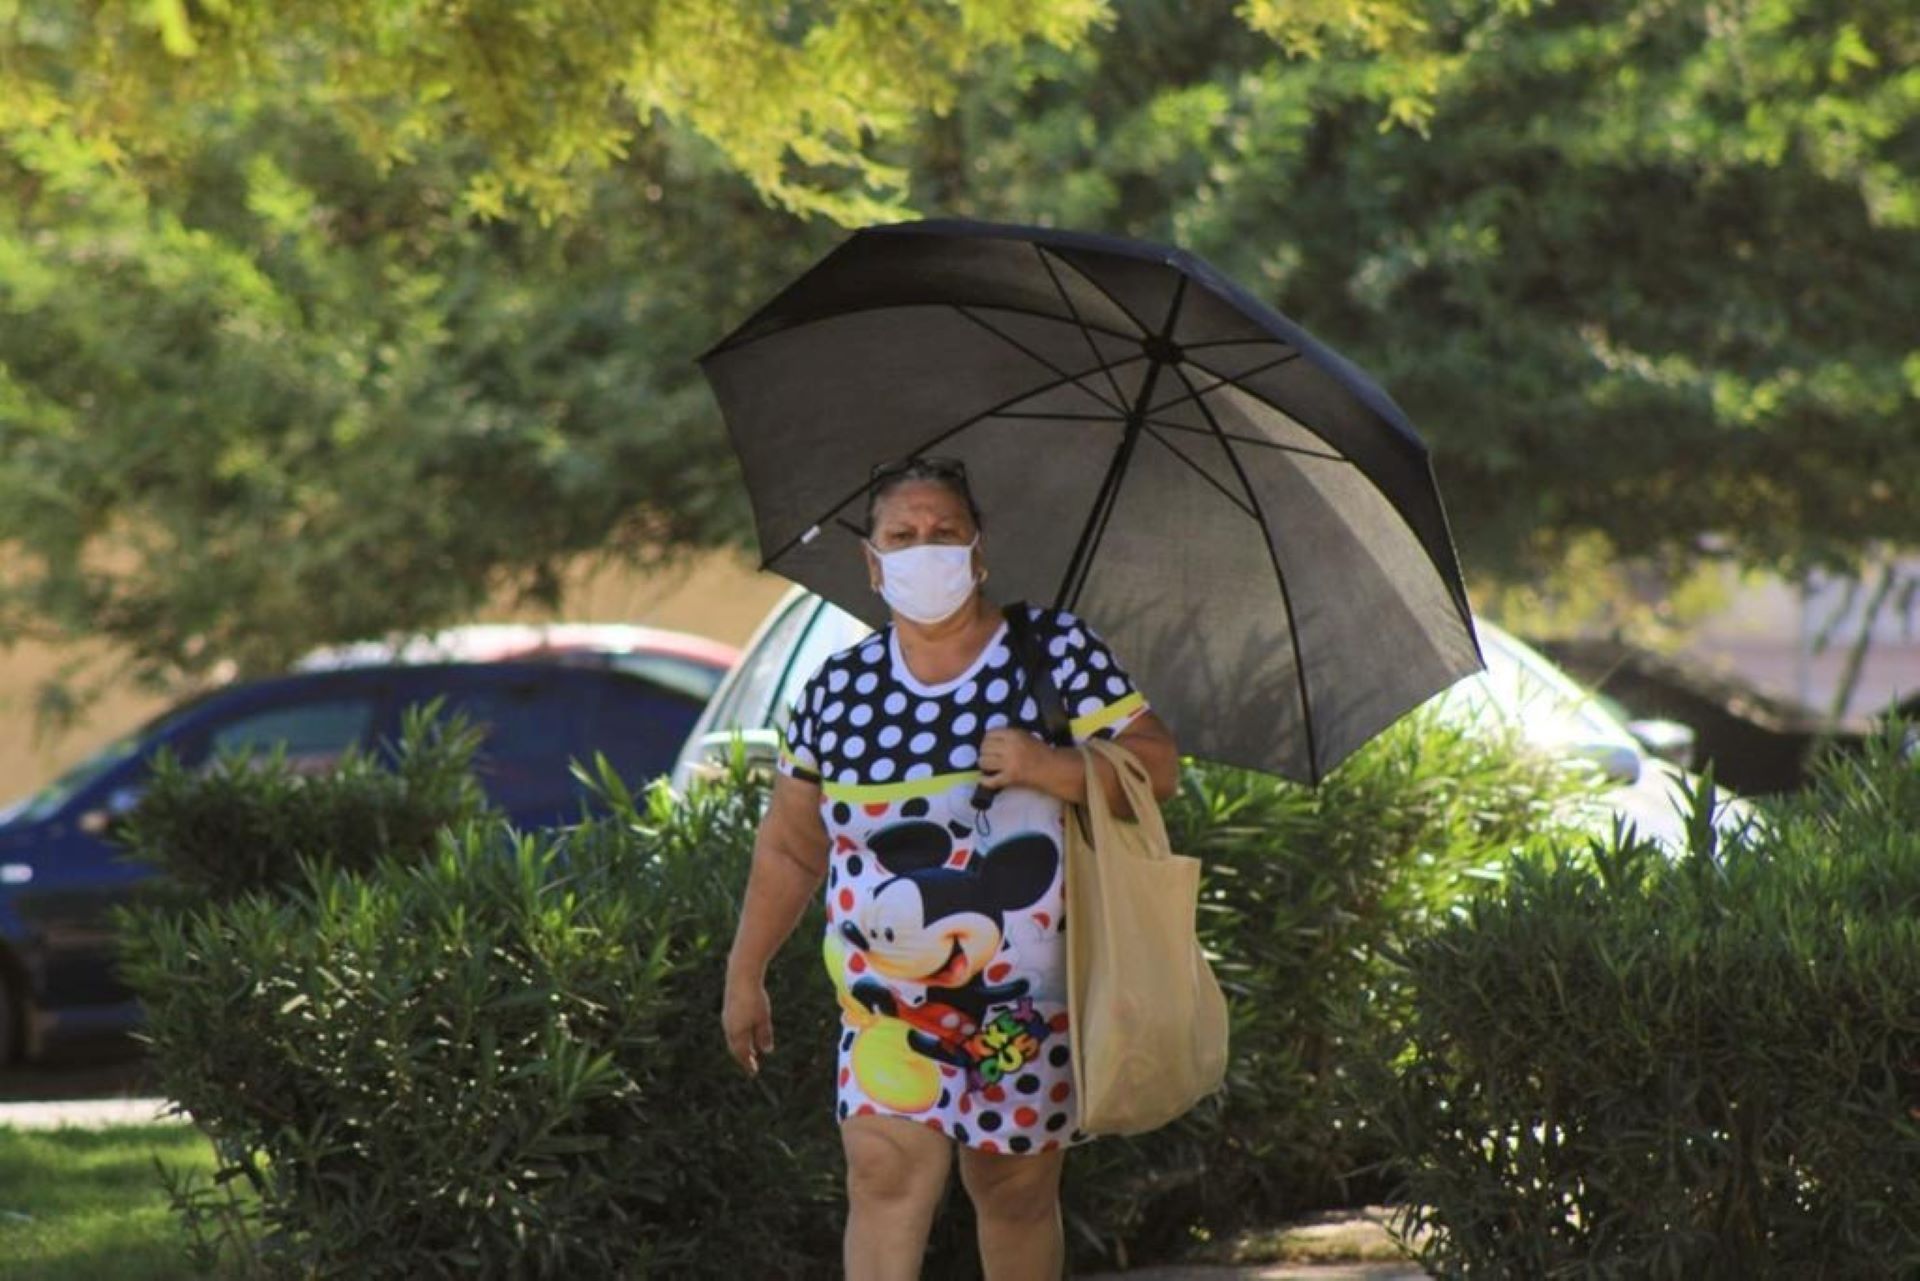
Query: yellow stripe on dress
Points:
[1093, 722]
[876, 793]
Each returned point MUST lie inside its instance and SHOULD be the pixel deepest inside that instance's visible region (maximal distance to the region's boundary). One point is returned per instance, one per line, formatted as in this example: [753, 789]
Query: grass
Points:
[79, 1204]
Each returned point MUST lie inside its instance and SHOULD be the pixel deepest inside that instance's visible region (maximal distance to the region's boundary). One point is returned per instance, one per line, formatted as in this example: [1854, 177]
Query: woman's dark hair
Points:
[948, 473]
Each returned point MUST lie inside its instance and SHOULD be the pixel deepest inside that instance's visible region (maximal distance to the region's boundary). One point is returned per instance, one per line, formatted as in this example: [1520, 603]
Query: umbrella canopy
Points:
[1248, 520]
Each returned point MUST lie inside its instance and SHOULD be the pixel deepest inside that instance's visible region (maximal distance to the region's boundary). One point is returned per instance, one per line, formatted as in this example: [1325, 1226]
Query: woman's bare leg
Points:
[896, 1171]
[1017, 1202]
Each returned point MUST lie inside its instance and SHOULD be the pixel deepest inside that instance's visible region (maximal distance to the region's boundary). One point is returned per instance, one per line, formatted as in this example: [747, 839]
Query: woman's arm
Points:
[789, 860]
[1011, 757]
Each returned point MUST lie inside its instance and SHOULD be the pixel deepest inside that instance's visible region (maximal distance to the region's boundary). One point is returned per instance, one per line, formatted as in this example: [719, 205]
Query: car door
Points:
[534, 719]
[637, 724]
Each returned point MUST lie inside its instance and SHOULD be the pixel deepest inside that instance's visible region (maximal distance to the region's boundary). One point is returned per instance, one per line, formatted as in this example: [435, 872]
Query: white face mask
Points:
[928, 583]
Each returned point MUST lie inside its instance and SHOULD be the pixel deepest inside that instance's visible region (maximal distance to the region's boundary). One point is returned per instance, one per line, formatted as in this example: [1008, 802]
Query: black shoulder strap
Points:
[1046, 695]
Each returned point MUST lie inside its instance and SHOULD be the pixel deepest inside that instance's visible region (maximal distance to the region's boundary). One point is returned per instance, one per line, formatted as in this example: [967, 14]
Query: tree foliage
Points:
[1646, 276]
[284, 360]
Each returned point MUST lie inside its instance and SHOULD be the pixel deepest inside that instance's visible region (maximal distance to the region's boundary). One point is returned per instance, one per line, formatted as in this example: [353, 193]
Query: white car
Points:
[1519, 687]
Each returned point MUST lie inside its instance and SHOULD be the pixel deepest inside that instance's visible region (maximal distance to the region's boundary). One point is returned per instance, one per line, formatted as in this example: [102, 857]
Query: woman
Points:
[944, 923]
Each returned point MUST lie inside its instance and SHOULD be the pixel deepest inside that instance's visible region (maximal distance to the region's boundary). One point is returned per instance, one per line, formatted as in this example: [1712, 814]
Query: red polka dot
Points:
[866, 1109]
[857, 963]
[995, 1094]
[957, 859]
[947, 1069]
[988, 1145]
[1044, 919]
[998, 971]
[966, 1104]
[876, 809]
[846, 900]
[1058, 1022]
[1025, 1116]
[846, 843]
[933, 1125]
[1050, 1145]
[1060, 1092]
[845, 1076]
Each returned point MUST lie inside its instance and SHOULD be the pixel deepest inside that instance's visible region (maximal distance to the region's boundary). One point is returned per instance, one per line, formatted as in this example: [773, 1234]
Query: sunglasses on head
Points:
[920, 465]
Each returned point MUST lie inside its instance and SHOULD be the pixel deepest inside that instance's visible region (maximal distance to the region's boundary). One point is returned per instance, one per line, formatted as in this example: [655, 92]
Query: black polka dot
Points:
[960, 830]
[1020, 1143]
[1059, 1056]
[833, 877]
[1027, 1084]
[916, 808]
[989, 1121]
[854, 865]
[960, 1132]
[846, 1042]
[1055, 1121]
[946, 1098]
[1076, 1136]
[842, 813]
[843, 1111]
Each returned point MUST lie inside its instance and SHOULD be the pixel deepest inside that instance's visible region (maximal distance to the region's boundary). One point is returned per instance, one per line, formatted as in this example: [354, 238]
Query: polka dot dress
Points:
[945, 929]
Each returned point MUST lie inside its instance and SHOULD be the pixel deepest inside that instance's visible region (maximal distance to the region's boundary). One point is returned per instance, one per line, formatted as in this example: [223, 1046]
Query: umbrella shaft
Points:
[1081, 563]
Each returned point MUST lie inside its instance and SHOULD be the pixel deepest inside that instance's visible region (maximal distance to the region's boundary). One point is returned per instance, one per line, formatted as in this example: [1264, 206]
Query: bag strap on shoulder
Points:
[1046, 695]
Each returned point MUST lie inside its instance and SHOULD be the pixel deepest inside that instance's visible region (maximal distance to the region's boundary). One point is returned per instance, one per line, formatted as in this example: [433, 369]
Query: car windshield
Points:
[52, 798]
[48, 801]
[1522, 687]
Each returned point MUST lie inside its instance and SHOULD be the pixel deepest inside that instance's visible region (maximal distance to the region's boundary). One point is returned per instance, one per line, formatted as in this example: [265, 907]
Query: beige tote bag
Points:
[1149, 1021]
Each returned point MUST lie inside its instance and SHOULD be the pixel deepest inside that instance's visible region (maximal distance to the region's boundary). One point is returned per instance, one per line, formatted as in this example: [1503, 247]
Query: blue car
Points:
[60, 876]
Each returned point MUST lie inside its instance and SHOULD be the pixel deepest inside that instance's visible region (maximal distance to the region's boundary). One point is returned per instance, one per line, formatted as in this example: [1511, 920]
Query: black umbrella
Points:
[1249, 521]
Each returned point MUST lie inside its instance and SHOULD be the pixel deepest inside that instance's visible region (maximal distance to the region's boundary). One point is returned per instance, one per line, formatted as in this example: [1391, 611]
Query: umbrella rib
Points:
[1280, 577]
[1113, 298]
[1119, 397]
[1202, 472]
[989, 412]
[1264, 339]
[1223, 380]
[1036, 356]
[1252, 440]
[1065, 418]
[725, 347]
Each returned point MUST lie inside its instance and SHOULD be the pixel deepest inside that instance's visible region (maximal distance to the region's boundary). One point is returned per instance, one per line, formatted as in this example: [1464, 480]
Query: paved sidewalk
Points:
[85, 1113]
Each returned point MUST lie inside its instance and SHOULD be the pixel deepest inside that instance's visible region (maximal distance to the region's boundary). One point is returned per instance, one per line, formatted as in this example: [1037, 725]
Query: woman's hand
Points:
[1015, 758]
[747, 1018]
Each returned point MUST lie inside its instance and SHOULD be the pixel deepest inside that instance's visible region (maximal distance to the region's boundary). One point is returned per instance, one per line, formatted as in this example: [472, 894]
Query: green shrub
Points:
[507, 1058]
[501, 1061]
[248, 822]
[1305, 889]
[1627, 1064]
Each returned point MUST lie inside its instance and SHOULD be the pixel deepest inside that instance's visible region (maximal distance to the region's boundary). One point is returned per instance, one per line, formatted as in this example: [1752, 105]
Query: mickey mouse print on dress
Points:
[945, 940]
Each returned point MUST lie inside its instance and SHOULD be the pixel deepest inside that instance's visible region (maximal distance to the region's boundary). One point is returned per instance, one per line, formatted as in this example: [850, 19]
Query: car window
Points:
[313, 734]
[833, 630]
[745, 703]
[695, 679]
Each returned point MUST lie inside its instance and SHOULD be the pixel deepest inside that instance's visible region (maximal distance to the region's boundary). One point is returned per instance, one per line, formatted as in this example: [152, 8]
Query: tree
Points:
[299, 400]
[545, 94]
[1646, 277]
[279, 366]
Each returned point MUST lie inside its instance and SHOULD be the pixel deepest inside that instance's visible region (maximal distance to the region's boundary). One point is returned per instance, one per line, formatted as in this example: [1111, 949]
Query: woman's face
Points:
[918, 512]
